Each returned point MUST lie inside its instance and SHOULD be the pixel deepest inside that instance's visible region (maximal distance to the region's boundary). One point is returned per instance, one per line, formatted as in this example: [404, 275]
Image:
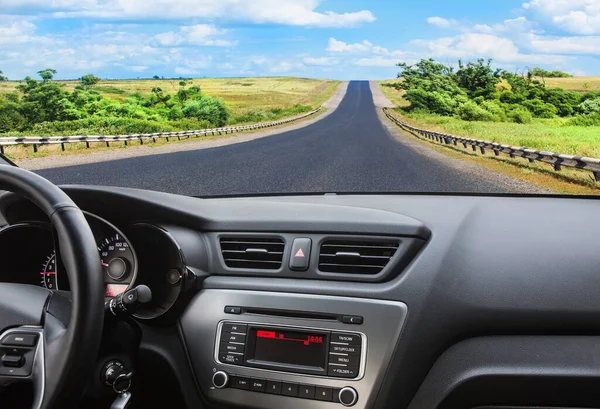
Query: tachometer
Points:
[116, 257]
[48, 273]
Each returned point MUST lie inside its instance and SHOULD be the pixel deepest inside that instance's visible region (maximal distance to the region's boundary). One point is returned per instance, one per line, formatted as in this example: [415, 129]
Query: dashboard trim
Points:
[363, 351]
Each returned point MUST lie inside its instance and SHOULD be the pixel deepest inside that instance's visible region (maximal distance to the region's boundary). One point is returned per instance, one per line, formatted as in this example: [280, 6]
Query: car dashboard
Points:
[325, 301]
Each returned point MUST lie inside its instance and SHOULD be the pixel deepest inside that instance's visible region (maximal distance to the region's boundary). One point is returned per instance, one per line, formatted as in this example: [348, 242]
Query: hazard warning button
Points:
[300, 257]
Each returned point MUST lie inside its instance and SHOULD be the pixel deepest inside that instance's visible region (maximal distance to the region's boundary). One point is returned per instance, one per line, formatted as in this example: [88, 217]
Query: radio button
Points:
[306, 391]
[234, 359]
[233, 338]
[241, 383]
[349, 360]
[350, 339]
[227, 347]
[343, 371]
[231, 327]
[322, 393]
[273, 387]
[345, 349]
[258, 385]
[289, 389]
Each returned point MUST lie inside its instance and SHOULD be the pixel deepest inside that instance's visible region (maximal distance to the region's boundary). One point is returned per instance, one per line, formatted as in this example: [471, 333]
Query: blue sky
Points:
[341, 39]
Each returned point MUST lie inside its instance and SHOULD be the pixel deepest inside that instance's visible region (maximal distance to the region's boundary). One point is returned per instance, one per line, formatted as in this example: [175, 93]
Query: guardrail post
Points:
[2, 149]
[482, 149]
[62, 147]
[107, 144]
[464, 145]
[34, 148]
[557, 167]
[153, 139]
[87, 145]
[496, 152]
[596, 176]
[141, 141]
[454, 142]
[125, 143]
[167, 138]
[474, 147]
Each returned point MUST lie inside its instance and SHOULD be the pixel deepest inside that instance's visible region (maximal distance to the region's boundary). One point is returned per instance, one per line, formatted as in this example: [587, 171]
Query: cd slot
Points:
[310, 315]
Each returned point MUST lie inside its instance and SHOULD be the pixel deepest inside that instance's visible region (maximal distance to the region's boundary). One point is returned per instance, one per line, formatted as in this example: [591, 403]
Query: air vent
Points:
[252, 252]
[356, 256]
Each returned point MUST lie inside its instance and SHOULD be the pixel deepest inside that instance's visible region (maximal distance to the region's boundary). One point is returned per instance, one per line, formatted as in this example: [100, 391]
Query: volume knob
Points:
[220, 379]
[348, 396]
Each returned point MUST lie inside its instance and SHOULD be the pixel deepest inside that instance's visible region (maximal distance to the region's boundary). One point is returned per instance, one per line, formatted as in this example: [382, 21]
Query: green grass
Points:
[542, 134]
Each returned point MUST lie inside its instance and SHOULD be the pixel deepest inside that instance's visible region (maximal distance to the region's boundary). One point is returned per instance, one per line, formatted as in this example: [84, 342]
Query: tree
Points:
[47, 74]
[2, 77]
[156, 77]
[89, 80]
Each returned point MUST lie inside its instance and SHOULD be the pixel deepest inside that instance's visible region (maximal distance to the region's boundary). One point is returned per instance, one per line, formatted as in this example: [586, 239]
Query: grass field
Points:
[242, 95]
[580, 84]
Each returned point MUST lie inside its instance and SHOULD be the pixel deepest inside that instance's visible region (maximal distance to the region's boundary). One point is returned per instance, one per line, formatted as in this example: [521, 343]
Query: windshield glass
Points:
[204, 97]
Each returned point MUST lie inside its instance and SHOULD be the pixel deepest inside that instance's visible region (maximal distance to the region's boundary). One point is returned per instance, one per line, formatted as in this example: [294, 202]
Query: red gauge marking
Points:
[48, 272]
[103, 263]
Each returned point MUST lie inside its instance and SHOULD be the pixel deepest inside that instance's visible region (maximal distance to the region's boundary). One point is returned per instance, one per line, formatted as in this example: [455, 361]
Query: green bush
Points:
[519, 115]
[540, 109]
[208, 109]
[495, 108]
[590, 106]
[470, 111]
[10, 116]
[592, 119]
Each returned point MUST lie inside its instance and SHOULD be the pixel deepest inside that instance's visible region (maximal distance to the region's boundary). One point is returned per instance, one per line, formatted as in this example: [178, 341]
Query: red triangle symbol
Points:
[299, 253]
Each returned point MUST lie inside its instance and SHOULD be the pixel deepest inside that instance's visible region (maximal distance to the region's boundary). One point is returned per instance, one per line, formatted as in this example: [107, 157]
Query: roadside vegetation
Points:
[46, 107]
[481, 102]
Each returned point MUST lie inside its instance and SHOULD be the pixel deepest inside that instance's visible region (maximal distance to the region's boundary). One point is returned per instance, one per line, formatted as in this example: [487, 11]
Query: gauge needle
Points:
[103, 263]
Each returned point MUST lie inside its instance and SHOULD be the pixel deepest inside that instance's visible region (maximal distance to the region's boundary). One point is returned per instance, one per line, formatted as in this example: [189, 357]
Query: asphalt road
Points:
[347, 151]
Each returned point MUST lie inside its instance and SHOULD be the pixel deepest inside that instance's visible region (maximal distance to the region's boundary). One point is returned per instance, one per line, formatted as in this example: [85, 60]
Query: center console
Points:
[273, 350]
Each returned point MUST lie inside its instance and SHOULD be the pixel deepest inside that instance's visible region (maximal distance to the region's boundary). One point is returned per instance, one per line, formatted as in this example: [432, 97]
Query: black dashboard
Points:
[378, 301]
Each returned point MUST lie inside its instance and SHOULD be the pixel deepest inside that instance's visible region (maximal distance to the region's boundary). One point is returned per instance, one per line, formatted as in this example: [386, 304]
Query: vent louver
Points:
[252, 252]
[356, 256]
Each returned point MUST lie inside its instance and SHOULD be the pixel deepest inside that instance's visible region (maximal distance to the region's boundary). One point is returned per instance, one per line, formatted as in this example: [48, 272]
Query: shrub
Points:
[540, 109]
[10, 116]
[585, 120]
[496, 109]
[470, 111]
[208, 109]
[519, 115]
[590, 106]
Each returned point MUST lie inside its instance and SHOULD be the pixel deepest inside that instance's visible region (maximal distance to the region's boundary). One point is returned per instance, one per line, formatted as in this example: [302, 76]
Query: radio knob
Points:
[220, 379]
[348, 396]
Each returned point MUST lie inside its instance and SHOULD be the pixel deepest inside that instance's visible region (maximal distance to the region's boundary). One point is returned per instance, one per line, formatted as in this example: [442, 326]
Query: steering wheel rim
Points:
[65, 351]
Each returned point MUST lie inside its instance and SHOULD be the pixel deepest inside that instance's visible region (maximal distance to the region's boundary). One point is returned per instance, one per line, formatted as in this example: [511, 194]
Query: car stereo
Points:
[300, 350]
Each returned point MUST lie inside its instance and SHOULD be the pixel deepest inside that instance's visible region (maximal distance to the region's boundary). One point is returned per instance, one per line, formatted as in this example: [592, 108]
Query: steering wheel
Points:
[47, 338]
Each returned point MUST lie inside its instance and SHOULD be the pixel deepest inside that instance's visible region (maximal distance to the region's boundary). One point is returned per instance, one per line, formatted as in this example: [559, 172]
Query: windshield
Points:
[204, 97]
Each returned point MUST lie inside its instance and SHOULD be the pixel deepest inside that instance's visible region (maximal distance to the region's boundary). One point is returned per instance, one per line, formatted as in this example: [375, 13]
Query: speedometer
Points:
[116, 257]
[48, 273]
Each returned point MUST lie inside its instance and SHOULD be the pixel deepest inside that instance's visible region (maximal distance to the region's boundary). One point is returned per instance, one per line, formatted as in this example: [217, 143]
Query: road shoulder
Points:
[58, 161]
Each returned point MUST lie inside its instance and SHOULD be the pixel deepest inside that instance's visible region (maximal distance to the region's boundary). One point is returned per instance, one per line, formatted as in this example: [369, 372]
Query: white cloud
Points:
[573, 16]
[474, 45]
[566, 45]
[376, 61]
[441, 22]
[138, 68]
[321, 61]
[199, 34]
[363, 47]
[285, 67]
[285, 12]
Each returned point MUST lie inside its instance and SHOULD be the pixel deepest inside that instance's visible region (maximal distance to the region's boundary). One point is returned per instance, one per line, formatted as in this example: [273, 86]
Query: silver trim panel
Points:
[363, 349]
[383, 323]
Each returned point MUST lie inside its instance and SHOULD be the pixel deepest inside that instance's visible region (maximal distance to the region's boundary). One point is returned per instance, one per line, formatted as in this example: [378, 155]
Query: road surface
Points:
[347, 151]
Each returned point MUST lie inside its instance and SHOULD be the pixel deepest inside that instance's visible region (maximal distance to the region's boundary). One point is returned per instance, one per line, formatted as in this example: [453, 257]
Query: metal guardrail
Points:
[35, 141]
[557, 160]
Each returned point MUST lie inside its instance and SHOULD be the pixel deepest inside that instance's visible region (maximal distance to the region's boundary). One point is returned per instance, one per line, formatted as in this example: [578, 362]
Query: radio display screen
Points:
[289, 348]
